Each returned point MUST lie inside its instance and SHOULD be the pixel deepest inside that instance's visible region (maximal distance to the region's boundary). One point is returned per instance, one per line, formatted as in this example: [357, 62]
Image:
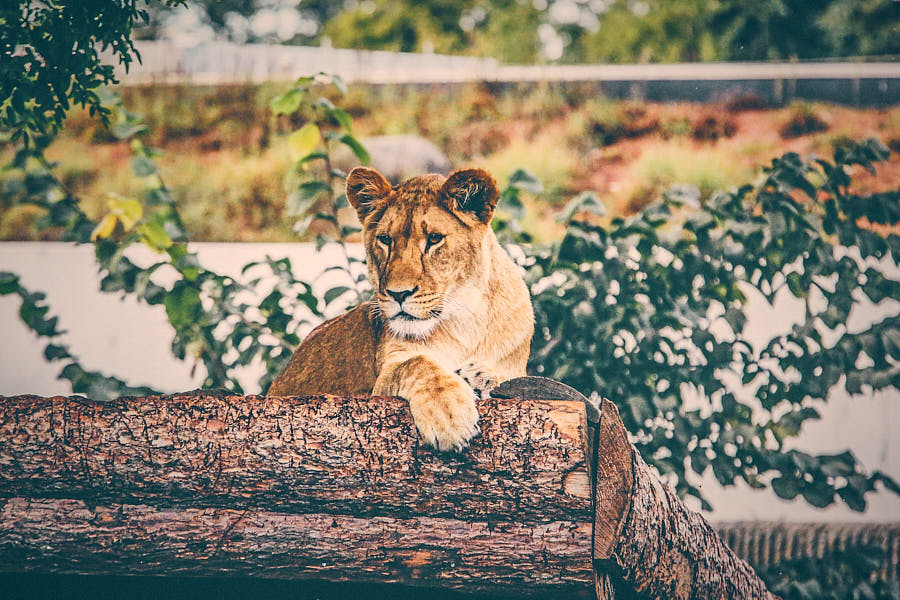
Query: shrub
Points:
[609, 122]
[650, 311]
[713, 125]
[745, 101]
[479, 139]
[803, 119]
[850, 572]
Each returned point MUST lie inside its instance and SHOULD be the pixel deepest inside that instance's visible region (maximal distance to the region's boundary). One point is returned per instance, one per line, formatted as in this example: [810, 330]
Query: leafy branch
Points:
[650, 311]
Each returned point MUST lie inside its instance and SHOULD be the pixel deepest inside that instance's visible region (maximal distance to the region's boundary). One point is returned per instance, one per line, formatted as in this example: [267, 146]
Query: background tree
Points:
[862, 27]
[650, 31]
[573, 31]
[776, 29]
[399, 25]
[51, 58]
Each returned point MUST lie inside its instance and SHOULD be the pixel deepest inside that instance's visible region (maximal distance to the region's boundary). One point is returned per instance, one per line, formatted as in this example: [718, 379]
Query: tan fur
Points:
[467, 323]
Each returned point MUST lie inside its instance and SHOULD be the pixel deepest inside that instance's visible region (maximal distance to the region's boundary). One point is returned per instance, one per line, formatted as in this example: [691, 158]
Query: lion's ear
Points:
[364, 188]
[473, 191]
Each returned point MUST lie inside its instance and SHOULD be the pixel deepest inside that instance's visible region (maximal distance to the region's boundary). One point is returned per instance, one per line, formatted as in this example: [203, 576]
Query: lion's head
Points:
[427, 244]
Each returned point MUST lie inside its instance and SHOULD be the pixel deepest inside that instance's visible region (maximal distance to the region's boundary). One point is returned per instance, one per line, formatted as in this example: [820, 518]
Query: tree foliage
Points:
[50, 58]
[851, 571]
[619, 31]
[650, 311]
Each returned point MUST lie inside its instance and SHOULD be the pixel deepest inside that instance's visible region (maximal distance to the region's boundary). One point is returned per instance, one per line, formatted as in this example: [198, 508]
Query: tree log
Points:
[648, 541]
[546, 500]
[72, 536]
[355, 456]
[323, 487]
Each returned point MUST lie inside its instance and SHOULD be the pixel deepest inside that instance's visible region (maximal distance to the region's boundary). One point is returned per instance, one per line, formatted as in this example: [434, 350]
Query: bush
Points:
[745, 101]
[713, 125]
[650, 311]
[802, 120]
[479, 139]
[609, 122]
[851, 572]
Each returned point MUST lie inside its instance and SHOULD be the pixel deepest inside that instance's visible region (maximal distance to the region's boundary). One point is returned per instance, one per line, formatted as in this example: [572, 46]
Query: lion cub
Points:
[451, 316]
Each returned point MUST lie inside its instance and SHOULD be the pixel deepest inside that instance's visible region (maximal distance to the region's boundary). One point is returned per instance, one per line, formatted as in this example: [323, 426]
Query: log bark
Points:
[72, 536]
[358, 456]
[323, 487]
[648, 541]
[552, 498]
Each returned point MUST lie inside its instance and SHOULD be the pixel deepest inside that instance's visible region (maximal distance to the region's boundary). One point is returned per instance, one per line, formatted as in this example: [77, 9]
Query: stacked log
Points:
[546, 501]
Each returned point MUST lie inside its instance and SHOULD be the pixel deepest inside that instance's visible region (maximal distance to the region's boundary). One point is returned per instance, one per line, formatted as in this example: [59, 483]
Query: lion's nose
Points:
[401, 295]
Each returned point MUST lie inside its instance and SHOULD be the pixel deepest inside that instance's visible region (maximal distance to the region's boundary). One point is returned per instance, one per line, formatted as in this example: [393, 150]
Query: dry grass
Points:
[226, 163]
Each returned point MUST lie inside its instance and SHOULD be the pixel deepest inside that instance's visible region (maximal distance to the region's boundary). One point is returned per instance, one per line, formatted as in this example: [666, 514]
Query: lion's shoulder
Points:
[337, 357]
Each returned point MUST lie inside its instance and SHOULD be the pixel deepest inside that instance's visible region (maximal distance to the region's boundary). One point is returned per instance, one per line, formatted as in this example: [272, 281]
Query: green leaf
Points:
[361, 153]
[324, 103]
[786, 487]
[334, 293]
[305, 197]
[9, 283]
[340, 201]
[304, 140]
[583, 202]
[342, 117]
[124, 130]
[312, 156]
[287, 102]
[794, 283]
[736, 319]
[525, 181]
[154, 235]
[338, 82]
[56, 352]
[143, 166]
[182, 305]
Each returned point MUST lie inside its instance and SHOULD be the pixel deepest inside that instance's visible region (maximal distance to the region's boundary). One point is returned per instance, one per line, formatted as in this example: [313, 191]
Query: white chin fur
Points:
[412, 329]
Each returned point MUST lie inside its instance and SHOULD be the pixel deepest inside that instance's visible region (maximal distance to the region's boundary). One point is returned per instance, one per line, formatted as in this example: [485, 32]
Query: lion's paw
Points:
[446, 417]
[478, 379]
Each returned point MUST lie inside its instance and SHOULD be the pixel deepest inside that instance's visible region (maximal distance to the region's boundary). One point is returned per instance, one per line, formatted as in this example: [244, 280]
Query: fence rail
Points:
[218, 63]
[223, 62]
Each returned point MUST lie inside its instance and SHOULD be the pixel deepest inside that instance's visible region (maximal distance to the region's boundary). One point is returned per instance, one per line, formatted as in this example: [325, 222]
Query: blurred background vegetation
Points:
[569, 31]
[226, 155]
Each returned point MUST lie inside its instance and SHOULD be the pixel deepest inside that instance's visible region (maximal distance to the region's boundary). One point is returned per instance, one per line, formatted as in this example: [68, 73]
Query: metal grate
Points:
[764, 544]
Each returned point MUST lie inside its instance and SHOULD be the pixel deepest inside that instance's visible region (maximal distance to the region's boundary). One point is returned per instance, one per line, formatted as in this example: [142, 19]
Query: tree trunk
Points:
[323, 487]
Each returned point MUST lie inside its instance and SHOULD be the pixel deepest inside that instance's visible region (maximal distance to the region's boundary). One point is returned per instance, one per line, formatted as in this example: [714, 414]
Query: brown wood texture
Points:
[323, 487]
[532, 387]
[358, 456]
[649, 540]
[614, 484]
[71, 536]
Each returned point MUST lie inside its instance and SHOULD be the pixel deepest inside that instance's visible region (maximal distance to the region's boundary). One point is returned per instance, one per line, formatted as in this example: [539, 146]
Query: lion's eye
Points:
[434, 238]
[384, 239]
